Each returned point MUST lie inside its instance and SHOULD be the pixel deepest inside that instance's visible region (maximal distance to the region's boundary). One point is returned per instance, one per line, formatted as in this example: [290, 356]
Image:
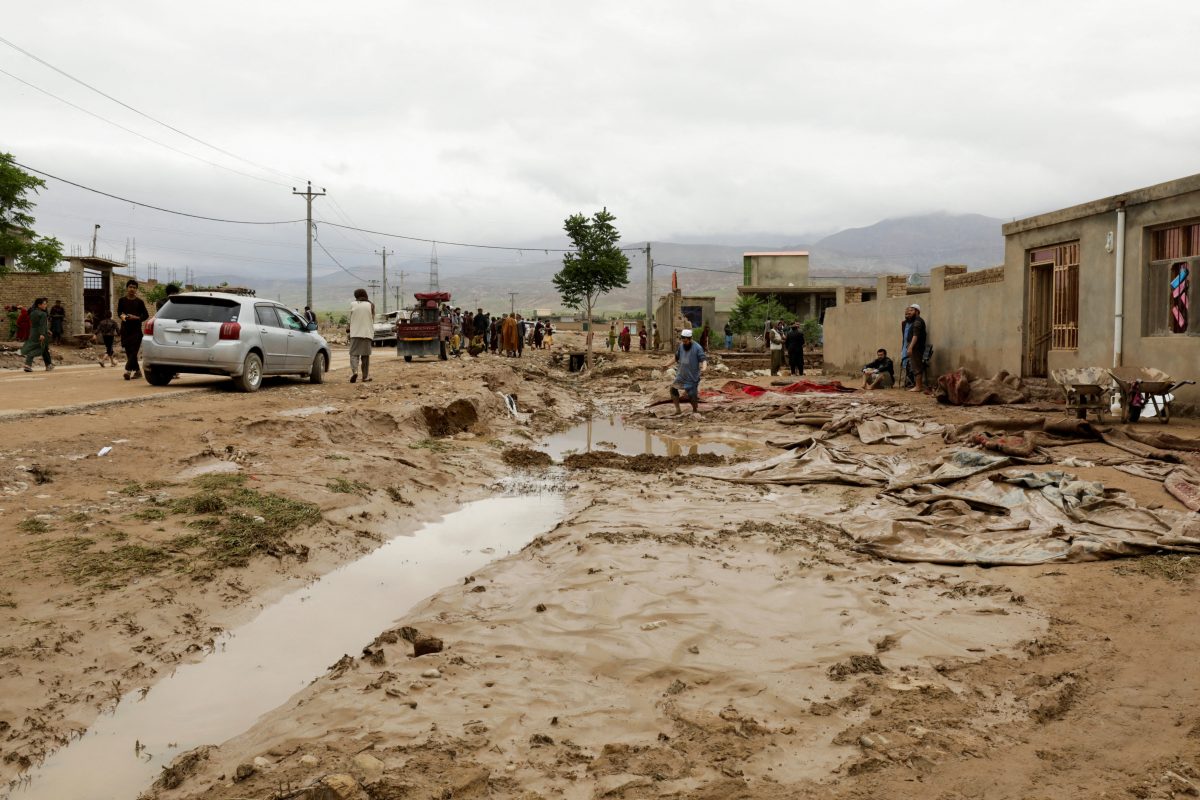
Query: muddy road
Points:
[419, 588]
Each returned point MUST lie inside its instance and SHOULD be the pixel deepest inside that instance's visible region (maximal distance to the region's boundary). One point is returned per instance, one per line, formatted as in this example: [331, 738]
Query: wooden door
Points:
[1041, 288]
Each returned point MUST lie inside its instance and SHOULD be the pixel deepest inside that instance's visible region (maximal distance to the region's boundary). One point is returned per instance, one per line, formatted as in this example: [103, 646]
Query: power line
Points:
[699, 269]
[140, 135]
[546, 250]
[65, 74]
[156, 208]
[331, 258]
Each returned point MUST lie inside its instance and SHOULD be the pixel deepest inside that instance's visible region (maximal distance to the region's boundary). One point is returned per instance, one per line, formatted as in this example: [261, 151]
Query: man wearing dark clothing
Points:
[173, 290]
[794, 344]
[58, 318]
[916, 348]
[482, 323]
[131, 310]
[880, 373]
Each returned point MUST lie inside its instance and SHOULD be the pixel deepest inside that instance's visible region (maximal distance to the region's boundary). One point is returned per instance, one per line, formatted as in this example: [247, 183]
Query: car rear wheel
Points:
[251, 378]
[157, 376]
[317, 373]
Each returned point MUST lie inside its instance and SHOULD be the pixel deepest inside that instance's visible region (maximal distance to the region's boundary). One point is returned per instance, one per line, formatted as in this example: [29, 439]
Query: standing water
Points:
[614, 435]
[260, 665]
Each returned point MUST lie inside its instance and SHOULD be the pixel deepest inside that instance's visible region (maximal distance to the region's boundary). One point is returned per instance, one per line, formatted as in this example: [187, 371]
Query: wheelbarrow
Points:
[1085, 389]
[1142, 386]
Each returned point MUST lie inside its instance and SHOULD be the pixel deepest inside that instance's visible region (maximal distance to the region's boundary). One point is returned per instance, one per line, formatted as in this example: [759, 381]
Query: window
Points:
[290, 320]
[266, 316]
[1064, 302]
[199, 309]
[1170, 281]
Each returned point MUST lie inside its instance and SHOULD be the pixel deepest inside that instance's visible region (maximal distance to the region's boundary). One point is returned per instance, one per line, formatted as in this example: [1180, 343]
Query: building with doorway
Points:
[784, 275]
[88, 284]
[1106, 283]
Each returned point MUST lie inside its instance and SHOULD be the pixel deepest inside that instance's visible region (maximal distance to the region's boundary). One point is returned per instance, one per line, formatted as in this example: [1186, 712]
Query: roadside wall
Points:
[21, 288]
[964, 313]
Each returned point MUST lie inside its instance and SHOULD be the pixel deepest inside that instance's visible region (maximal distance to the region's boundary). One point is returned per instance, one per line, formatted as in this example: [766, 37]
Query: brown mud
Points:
[672, 637]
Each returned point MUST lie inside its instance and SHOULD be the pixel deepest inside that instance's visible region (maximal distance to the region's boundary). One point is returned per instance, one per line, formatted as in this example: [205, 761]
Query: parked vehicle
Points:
[385, 328]
[426, 331]
[246, 338]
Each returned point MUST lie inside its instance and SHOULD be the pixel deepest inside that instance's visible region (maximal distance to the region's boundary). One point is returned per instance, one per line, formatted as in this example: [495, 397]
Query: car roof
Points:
[225, 296]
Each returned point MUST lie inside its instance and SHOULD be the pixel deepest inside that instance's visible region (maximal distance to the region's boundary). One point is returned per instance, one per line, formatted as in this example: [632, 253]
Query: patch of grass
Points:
[33, 525]
[78, 517]
[132, 489]
[397, 496]
[187, 541]
[343, 486]
[430, 444]
[207, 502]
[1168, 567]
[111, 569]
[151, 514]
[337, 457]
[221, 480]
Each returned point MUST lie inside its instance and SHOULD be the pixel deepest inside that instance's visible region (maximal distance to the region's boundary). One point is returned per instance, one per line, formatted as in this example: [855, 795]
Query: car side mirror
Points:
[312, 326]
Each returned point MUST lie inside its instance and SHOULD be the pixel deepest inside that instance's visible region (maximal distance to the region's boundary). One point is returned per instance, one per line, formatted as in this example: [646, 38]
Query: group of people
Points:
[786, 345]
[40, 326]
[914, 353]
[624, 339]
[507, 334]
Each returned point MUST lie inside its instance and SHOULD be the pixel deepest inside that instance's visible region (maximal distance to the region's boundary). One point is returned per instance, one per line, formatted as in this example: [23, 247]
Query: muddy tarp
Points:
[1163, 440]
[1019, 519]
[868, 423]
[734, 391]
[824, 463]
[1183, 483]
[962, 388]
[1058, 431]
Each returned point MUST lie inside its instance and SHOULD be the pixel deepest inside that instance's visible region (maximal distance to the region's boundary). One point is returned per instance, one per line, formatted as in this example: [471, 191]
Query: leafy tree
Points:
[17, 238]
[812, 330]
[751, 312]
[596, 266]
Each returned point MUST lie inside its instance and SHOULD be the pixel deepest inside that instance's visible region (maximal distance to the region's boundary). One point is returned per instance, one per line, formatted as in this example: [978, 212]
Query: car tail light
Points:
[231, 330]
[148, 328]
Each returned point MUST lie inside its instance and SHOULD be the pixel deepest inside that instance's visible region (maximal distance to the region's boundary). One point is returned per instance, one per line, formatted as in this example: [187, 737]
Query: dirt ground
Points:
[673, 636]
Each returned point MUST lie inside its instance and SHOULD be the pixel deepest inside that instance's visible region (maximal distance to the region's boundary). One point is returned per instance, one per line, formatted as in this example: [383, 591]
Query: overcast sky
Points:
[492, 121]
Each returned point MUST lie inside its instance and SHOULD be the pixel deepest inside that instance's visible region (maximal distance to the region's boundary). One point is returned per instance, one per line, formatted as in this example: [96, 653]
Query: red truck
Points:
[427, 330]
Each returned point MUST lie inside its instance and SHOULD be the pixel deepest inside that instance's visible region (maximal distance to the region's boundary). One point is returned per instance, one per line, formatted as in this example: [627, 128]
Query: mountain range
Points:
[904, 245]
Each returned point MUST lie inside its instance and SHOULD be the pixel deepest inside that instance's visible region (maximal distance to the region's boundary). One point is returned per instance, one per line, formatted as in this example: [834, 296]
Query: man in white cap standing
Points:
[690, 361]
[915, 347]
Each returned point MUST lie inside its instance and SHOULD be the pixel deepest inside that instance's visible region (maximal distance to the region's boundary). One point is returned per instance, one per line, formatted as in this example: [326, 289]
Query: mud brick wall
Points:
[977, 278]
[853, 294]
[20, 289]
[897, 286]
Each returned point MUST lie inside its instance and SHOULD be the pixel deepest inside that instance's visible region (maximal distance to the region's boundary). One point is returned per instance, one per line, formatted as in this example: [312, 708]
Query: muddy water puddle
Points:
[615, 435]
[257, 667]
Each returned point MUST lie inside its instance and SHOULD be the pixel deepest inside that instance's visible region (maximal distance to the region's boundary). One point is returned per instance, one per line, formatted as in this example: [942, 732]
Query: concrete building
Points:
[88, 284]
[1105, 283]
[784, 275]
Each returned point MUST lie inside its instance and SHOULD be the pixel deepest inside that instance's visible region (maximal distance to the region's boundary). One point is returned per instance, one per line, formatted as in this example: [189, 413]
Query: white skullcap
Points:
[686, 333]
[914, 305]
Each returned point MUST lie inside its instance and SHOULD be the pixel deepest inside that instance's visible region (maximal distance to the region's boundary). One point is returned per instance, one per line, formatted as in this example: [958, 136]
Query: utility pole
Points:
[385, 254]
[649, 297]
[308, 195]
[401, 275]
[434, 285]
[512, 302]
[95, 231]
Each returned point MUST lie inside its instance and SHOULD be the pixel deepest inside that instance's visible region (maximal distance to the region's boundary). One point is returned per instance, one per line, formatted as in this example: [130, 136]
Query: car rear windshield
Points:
[200, 309]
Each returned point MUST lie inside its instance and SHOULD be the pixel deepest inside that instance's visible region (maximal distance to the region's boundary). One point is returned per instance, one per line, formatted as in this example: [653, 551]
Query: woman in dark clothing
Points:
[38, 342]
[131, 310]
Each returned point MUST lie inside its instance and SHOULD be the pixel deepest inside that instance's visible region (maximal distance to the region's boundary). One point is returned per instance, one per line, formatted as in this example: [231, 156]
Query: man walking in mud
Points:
[690, 362]
[362, 333]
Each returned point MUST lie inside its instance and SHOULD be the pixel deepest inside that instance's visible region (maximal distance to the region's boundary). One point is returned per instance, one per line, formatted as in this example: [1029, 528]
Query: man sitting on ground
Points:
[880, 373]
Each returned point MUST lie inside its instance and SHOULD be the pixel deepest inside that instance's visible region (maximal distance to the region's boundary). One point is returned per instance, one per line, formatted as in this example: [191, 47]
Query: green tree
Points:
[751, 312]
[17, 238]
[596, 266]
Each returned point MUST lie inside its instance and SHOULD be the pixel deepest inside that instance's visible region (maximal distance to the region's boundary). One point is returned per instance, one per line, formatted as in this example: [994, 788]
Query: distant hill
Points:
[900, 245]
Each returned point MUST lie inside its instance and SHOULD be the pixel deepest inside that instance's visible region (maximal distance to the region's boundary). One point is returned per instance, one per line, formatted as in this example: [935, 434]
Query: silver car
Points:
[214, 333]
